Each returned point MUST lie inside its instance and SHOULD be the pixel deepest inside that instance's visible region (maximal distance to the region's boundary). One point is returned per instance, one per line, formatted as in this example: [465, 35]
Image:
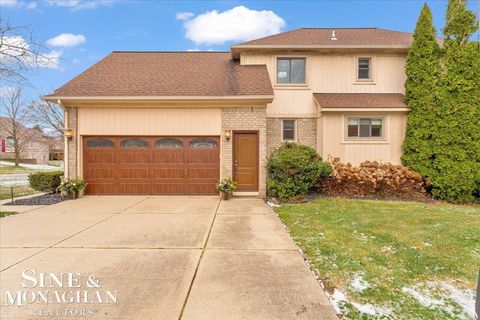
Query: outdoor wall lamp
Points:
[227, 134]
[68, 134]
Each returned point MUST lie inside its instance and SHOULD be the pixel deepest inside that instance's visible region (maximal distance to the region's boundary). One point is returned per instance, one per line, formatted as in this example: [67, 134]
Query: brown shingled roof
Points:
[168, 74]
[344, 36]
[359, 100]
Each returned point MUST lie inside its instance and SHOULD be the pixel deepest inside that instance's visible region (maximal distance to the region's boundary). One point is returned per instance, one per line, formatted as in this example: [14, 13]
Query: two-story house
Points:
[34, 145]
[175, 122]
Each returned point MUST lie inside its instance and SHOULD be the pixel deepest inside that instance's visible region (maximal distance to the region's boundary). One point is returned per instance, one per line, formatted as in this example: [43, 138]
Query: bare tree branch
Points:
[14, 124]
[48, 115]
[19, 53]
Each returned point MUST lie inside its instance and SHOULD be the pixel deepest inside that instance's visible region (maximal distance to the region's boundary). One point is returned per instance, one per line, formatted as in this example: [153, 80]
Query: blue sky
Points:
[97, 28]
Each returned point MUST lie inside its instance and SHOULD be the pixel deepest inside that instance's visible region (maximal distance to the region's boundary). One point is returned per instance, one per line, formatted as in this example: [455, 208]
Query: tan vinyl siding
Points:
[328, 73]
[333, 141]
[149, 121]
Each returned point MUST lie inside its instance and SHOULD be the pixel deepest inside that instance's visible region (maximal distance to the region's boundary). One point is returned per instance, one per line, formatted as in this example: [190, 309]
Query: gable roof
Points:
[360, 101]
[170, 74]
[346, 38]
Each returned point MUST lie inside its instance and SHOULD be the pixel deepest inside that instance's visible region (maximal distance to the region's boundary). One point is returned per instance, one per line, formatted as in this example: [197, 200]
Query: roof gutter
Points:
[236, 49]
[65, 99]
[365, 109]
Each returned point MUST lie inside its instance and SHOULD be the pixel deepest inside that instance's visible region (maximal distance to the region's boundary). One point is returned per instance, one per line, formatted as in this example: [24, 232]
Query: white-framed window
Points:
[9, 144]
[364, 69]
[289, 130]
[291, 70]
[365, 128]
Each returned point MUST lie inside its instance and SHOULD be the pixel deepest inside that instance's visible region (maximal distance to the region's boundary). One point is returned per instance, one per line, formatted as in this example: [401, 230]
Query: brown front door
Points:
[245, 160]
[151, 165]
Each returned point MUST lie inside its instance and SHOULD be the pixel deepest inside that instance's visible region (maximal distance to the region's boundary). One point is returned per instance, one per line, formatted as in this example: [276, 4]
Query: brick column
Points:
[71, 146]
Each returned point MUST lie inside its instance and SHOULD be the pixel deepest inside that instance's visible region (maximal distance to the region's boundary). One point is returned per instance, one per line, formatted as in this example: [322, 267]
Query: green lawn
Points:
[6, 213]
[5, 192]
[391, 260]
[15, 169]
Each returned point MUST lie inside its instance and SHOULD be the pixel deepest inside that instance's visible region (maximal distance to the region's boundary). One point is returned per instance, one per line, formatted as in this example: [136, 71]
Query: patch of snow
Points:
[372, 310]
[464, 298]
[358, 284]
[273, 204]
[423, 298]
[336, 298]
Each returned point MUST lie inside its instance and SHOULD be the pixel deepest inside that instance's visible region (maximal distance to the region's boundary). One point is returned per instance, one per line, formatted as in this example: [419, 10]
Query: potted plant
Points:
[226, 186]
[71, 187]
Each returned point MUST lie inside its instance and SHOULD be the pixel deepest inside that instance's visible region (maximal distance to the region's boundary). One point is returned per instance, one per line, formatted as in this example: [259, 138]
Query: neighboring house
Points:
[36, 147]
[175, 122]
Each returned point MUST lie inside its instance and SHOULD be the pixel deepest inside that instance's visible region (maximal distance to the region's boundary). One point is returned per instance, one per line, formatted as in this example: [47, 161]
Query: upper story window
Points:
[364, 69]
[288, 130]
[291, 70]
[364, 127]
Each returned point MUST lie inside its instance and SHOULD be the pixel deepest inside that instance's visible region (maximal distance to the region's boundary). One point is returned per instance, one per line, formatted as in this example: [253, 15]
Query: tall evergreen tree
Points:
[422, 70]
[456, 132]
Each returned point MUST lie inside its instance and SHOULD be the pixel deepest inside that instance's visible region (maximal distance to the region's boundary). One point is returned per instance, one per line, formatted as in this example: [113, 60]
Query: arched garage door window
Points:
[100, 143]
[169, 143]
[203, 143]
[134, 143]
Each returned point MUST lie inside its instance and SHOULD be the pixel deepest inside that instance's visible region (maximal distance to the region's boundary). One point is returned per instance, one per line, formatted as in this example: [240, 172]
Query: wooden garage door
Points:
[151, 165]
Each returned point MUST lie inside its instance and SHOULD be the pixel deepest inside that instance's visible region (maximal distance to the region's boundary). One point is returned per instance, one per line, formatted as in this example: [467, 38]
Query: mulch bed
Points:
[44, 199]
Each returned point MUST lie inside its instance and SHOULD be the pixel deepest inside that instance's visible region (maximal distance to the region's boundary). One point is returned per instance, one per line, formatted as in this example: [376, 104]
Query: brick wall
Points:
[72, 113]
[245, 118]
[306, 132]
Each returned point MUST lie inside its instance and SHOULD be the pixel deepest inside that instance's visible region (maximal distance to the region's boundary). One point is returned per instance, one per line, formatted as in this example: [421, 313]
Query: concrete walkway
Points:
[166, 258]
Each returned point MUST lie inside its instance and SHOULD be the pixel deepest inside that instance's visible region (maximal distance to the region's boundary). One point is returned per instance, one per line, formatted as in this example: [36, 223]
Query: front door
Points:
[245, 160]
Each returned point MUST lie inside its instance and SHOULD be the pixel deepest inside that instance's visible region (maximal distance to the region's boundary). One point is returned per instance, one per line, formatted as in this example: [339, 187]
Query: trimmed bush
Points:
[372, 179]
[293, 170]
[47, 181]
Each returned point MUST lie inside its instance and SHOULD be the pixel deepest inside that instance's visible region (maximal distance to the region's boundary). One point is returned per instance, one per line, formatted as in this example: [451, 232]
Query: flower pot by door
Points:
[226, 195]
[73, 195]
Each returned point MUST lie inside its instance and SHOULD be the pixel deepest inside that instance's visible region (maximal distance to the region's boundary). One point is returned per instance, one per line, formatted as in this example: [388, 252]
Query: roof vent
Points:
[333, 36]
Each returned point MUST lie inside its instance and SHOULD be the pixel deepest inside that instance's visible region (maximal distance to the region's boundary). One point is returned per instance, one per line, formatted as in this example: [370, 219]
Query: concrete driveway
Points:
[138, 257]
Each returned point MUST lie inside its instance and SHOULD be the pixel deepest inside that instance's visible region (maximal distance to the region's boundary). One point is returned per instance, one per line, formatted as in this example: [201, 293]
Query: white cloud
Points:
[237, 24]
[50, 60]
[16, 49]
[17, 3]
[80, 4]
[184, 15]
[9, 3]
[67, 40]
